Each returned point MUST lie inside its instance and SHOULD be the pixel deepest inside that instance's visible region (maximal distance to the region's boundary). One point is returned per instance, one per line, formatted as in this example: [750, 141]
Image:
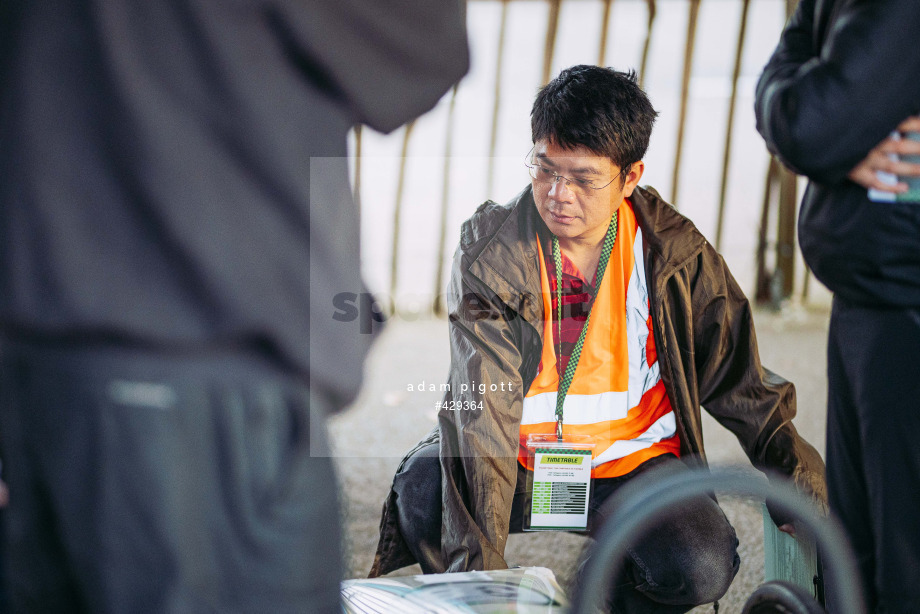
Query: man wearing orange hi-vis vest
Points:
[589, 322]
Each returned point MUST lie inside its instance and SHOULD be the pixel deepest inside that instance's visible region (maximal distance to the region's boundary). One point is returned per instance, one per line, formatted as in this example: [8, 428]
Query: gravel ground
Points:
[388, 418]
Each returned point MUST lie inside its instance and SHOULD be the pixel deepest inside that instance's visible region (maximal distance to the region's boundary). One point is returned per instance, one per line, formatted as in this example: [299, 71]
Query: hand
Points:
[865, 173]
[815, 490]
[787, 449]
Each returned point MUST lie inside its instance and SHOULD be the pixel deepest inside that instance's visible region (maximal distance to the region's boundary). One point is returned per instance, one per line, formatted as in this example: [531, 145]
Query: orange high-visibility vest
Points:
[616, 395]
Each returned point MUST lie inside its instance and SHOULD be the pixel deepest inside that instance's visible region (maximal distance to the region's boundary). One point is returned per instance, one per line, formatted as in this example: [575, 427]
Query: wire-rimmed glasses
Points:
[544, 175]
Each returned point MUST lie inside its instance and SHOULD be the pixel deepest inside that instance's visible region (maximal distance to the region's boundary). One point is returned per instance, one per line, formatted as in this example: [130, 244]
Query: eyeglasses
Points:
[544, 175]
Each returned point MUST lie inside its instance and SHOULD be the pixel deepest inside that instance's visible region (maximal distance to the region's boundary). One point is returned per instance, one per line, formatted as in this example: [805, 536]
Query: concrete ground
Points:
[391, 415]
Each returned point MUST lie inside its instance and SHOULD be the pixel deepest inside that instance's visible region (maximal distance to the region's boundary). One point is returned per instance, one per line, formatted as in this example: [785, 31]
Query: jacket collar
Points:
[508, 262]
[670, 238]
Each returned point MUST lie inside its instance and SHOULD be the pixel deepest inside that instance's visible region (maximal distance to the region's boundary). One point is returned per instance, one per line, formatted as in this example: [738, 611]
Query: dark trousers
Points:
[688, 560]
[143, 482]
[873, 457]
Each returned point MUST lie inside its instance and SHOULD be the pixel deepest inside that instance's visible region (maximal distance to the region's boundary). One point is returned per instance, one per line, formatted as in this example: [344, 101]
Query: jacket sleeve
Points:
[822, 105]
[479, 446]
[387, 61]
[751, 401]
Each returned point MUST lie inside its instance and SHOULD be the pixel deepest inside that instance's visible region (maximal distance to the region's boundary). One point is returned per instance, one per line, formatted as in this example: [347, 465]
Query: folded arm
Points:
[821, 106]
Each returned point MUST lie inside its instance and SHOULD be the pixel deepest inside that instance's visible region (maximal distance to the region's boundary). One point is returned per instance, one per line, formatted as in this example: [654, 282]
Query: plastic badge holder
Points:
[559, 487]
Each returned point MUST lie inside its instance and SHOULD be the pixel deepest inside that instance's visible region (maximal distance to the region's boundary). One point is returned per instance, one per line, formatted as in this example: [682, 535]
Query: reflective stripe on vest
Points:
[616, 395]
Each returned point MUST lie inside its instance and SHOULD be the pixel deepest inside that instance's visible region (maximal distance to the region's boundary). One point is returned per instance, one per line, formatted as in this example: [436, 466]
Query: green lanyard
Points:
[609, 240]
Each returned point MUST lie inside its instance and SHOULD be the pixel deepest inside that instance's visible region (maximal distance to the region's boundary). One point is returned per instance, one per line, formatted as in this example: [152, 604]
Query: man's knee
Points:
[694, 563]
[708, 578]
[690, 581]
[418, 505]
[418, 482]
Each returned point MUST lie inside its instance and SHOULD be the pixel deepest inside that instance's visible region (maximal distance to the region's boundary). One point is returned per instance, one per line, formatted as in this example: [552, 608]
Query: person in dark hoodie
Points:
[175, 218]
[838, 97]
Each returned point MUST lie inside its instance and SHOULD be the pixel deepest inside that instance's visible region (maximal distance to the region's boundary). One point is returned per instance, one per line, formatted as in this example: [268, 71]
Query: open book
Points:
[519, 590]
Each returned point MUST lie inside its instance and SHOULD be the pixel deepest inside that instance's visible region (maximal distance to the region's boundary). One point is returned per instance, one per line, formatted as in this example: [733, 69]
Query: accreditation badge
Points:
[559, 488]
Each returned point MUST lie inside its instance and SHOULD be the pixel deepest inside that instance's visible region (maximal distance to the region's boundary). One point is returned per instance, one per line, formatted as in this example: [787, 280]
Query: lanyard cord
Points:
[607, 248]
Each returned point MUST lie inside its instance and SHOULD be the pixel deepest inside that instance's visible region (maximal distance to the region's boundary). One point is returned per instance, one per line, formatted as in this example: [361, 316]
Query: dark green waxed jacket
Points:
[707, 352]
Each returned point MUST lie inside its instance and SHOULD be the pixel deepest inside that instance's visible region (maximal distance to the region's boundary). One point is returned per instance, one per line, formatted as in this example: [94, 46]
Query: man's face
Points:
[570, 205]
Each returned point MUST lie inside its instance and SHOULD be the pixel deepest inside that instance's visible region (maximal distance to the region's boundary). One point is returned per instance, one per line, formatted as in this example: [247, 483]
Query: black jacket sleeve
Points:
[826, 98]
[387, 61]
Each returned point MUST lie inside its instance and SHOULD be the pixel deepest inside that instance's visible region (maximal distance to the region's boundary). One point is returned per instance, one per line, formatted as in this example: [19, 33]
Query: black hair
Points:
[601, 109]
